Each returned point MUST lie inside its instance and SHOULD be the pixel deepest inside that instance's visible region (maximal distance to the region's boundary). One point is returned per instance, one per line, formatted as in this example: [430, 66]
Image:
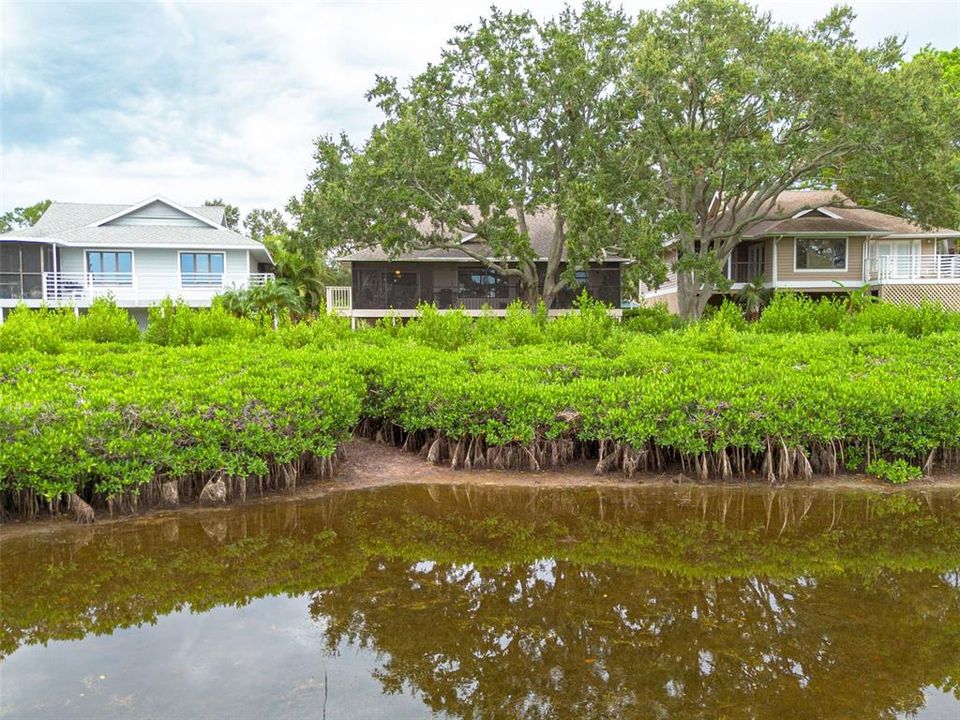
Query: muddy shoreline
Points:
[368, 464]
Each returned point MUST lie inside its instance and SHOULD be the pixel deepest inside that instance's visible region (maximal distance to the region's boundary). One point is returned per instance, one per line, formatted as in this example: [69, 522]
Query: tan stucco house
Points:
[824, 243]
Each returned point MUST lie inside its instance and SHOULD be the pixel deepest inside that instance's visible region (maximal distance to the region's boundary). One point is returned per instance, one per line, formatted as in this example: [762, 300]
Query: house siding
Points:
[152, 261]
[158, 213]
[768, 260]
[786, 254]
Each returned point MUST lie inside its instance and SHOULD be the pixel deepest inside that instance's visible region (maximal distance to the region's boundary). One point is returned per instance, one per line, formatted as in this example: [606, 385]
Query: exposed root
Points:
[778, 461]
[171, 492]
[82, 512]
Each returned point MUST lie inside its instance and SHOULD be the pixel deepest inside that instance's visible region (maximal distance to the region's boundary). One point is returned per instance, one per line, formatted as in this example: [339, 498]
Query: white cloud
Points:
[204, 100]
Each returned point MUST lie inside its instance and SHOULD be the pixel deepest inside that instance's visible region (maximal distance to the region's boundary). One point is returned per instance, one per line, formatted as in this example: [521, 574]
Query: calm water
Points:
[495, 603]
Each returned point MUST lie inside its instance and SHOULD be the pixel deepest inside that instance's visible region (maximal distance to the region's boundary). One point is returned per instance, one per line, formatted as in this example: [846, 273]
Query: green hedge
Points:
[720, 398]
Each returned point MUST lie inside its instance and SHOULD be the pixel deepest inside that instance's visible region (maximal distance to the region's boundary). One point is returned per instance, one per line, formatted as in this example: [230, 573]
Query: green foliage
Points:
[108, 422]
[520, 326]
[42, 330]
[443, 331]
[591, 324]
[743, 101]
[754, 296]
[788, 312]
[261, 224]
[882, 385]
[510, 122]
[797, 313]
[23, 217]
[105, 322]
[48, 329]
[897, 472]
[176, 323]
[652, 320]
[304, 271]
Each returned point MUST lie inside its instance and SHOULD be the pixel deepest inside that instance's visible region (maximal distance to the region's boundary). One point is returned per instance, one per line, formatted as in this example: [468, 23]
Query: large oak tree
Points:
[726, 109]
[510, 122]
[679, 129]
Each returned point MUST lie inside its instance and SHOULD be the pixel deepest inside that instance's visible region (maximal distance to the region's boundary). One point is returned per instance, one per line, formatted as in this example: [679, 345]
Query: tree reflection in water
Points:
[690, 603]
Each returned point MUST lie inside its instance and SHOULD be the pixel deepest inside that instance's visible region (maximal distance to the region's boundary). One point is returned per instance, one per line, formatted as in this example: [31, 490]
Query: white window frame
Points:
[223, 275]
[133, 265]
[846, 256]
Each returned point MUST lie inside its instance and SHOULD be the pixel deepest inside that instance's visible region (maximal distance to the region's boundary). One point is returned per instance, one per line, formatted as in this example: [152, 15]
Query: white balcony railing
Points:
[81, 288]
[894, 268]
[339, 299]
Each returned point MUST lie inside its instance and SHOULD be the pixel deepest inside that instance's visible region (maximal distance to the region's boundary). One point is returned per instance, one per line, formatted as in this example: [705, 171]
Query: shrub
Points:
[897, 472]
[788, 312]
[519, 326]
[105, 322]
[442, 330]
[176, 323]
[652, 320]
[592, 325]
[910, 320]
[43, 329]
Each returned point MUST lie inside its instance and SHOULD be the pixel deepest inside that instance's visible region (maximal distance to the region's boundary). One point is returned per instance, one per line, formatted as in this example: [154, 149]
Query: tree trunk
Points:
[551, 284]
[692, 296]
[530, 285]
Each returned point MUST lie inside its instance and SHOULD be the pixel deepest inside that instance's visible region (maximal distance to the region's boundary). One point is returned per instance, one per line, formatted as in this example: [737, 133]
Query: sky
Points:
[116, 102]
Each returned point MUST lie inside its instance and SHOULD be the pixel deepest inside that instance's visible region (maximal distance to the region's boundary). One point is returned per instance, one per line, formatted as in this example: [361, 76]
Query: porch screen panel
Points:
[403, 289]
[21, 270]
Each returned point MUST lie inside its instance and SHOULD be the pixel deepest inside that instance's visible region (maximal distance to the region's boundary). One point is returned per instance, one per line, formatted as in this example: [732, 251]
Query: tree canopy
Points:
[727, 108]
[260, 223]
[678, 128]
[23, 217]
[508, 124]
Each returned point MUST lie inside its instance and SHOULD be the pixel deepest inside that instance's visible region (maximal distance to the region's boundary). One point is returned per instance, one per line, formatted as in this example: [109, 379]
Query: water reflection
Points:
[480, 602]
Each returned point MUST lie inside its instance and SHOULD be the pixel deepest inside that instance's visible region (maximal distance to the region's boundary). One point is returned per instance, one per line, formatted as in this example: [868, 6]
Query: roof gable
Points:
[157, 211]
[820, 212]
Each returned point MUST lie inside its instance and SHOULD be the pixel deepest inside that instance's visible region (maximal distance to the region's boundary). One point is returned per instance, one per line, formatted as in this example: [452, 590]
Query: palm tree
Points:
[236, 302]
[275, 297]
[754, 296]
[307, 273]
[858, 298]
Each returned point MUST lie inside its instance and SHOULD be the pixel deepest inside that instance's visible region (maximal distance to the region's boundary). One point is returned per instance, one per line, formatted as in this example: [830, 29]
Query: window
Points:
[201, 268]
[21, 269]
[110, 268]
[821, 254]
[948, 246]
[482, 283]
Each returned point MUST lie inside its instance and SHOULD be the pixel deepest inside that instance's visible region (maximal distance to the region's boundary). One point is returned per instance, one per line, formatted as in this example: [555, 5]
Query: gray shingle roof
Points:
[69, 224]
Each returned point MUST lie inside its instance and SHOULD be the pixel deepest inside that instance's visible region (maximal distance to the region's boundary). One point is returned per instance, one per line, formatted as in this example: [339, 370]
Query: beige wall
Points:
[670, 300]
[768, 260]
[786, 254]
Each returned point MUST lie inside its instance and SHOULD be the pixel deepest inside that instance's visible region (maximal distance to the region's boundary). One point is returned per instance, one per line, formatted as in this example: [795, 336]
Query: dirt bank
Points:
[368, 464]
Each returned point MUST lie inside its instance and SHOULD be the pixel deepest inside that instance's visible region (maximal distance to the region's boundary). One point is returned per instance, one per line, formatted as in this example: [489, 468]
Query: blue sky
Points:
[114, 102]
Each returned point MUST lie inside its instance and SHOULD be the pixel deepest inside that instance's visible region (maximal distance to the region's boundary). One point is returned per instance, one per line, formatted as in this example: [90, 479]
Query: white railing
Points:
[81, 288]
[914, 267]
[339, 299]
